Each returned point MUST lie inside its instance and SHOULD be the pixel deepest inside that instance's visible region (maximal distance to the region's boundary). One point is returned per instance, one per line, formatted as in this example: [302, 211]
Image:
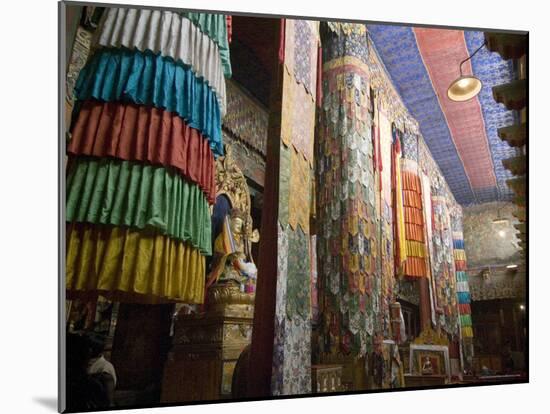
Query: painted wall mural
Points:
[488, 242]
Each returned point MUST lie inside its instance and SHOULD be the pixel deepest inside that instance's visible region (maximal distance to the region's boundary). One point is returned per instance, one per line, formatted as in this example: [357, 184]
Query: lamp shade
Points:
[464, 88]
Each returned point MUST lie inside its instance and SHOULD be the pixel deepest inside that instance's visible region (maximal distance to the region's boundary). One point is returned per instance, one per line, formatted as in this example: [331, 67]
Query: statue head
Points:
[238, 221]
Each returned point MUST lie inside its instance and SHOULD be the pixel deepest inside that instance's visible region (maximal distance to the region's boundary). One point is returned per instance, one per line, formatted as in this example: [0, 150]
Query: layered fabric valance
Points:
[122, 193]
[148, 79]
[462, 286]
[215, 26]
[132, 266]
[415, 245]
[141, 173]
[167, 34]
[146, 134]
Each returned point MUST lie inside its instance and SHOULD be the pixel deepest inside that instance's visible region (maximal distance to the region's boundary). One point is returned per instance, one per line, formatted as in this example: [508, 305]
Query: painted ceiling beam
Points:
[513, 94]
[509, 46]
[516, 165]
[514, 135]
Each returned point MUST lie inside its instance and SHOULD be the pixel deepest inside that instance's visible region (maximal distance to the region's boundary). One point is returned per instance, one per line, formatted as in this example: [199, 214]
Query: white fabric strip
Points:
[169, 34]
[462, 287]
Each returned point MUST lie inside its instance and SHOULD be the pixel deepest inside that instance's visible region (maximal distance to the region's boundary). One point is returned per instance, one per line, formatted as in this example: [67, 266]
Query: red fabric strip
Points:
[229, 22]
[460, 265]
[282, 41]
[146, 134]
[415, 267]
[319, 91]
[464, 308]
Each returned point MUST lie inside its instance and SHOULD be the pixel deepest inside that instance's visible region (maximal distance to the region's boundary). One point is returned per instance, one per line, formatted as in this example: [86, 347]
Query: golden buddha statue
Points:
[427, 368]
[233, 261]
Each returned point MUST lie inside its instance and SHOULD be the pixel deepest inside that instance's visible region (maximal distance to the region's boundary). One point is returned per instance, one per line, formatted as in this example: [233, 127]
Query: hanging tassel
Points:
[229, 22]
[319, 91]
[282, 42]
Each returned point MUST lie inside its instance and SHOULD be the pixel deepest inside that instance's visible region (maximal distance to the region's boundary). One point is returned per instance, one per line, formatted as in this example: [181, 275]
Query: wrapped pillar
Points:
[347, 218]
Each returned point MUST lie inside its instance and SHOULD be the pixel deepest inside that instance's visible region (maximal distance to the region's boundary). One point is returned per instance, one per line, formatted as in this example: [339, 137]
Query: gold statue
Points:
[427, 368]
[233, 261]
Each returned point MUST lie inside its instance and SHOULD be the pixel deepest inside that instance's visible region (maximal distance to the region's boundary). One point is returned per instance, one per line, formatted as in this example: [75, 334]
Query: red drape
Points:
[319, 91]
[282, 41]
[229, 22]
[146, 134]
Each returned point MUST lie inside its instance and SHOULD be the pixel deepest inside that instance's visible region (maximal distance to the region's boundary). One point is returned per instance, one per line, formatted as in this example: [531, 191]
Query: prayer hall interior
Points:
[262, 207]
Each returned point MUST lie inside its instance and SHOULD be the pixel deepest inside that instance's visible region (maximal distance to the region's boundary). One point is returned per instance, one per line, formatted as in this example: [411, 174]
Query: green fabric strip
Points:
[461, 276]
[215, 27]
[122, 193]
[465, 320]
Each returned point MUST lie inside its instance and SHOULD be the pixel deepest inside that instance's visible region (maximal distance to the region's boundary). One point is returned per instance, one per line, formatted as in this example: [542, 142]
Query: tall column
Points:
[280, 358]
[348, 230]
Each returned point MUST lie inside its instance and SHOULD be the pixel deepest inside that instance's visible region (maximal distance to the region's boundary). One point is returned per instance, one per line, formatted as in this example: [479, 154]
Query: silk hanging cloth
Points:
[121, 193]
[168, 34]
[400, 243]
[215, 27]
[140, 133]
[147, 79]
[127, 265]
[415, 264]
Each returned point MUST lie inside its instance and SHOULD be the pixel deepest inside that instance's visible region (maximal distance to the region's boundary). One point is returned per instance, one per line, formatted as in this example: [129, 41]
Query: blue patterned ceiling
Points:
[419, 66]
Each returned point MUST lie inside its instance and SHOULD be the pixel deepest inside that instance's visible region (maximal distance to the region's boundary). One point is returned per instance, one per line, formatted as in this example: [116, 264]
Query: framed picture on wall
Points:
[429, 360]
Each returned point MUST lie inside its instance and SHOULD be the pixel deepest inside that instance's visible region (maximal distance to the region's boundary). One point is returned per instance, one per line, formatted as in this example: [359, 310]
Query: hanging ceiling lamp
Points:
[465, 87]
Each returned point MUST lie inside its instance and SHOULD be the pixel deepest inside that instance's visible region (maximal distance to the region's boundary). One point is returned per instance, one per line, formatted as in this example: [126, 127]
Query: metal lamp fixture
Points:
[465, 87]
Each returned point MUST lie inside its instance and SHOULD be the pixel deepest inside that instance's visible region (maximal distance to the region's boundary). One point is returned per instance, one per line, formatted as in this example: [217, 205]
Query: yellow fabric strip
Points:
[415, 249]
[150, 268]
[400, 212]
[459, 254]
[467, 332]
[346, 60]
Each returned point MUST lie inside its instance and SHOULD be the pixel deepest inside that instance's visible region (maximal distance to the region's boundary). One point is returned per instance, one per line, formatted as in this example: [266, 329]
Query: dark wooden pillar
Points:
[424, 306]
[261, 348]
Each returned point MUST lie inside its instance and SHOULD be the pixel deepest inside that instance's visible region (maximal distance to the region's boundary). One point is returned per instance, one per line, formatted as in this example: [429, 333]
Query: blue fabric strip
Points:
[464, 298]
[148, 79]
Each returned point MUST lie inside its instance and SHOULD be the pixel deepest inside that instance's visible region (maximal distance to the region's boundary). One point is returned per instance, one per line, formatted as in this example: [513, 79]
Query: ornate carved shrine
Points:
[207, 345]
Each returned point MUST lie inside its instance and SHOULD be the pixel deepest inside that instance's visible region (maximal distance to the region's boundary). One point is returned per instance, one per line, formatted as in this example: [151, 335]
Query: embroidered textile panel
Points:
[246, 119]
[291, 371]
[297, 117]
